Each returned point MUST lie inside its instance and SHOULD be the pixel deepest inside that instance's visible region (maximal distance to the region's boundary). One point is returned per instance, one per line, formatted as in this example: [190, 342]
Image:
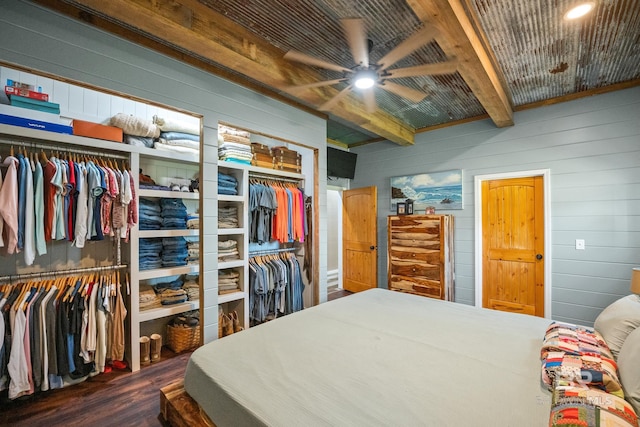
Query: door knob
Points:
[372, 247]
[539, 257]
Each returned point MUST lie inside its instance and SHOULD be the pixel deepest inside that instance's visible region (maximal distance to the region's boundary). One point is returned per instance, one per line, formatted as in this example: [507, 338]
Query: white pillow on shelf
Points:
[629, 369]
[618, 320]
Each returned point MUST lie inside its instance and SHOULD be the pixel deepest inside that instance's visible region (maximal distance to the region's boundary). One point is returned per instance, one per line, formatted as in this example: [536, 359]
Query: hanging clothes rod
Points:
[15, 277]
[271, 252]
[253, 175]
[36, 145]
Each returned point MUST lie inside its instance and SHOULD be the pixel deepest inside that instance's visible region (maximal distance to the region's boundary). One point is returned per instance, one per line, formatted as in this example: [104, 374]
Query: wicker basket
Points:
[180, 338]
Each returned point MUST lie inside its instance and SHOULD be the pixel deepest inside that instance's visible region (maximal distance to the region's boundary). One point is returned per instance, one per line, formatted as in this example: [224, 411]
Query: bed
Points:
[378, 357]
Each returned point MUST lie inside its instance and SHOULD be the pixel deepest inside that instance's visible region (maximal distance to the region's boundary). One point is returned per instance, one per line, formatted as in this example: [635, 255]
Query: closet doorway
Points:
[359, 239]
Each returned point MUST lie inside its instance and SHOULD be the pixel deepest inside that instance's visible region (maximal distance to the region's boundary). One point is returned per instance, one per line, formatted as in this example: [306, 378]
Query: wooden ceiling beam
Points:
[458, 38]
[189, 26]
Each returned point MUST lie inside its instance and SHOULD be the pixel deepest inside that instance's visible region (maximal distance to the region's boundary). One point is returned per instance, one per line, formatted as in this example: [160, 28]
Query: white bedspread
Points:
[377, 358]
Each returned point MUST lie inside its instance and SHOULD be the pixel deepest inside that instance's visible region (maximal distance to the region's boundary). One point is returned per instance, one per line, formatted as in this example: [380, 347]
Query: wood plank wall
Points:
[591, 146]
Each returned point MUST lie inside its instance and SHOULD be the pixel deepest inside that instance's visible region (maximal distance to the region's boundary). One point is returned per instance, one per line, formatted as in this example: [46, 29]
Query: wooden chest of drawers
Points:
[420, 255]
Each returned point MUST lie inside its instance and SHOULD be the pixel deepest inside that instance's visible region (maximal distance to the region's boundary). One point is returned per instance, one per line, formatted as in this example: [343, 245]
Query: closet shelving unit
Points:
[137, 155]
[155, 320]
[239, 301]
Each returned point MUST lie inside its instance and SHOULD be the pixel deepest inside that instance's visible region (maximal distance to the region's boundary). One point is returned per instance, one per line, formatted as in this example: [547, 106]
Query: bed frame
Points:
[179, 409]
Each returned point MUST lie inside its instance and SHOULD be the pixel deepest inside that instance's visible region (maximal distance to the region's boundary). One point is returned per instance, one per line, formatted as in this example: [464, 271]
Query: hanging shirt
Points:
[9, 204]
[50, 170]
[29, 218]
[22, 198]
[81, 222]
[1, 223]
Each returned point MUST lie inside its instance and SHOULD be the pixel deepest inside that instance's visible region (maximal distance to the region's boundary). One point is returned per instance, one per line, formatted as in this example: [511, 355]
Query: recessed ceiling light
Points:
[579, 10]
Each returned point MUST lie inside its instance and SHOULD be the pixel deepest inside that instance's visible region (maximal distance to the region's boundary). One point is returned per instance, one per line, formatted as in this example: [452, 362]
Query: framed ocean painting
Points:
[441, 190]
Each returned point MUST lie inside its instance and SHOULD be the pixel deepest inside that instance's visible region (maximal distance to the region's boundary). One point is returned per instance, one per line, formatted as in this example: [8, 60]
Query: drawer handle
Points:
[413, 255]
[413, 269]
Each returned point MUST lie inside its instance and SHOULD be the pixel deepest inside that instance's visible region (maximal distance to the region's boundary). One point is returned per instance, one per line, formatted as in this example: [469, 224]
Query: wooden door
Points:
[513, 245]
[359, 239]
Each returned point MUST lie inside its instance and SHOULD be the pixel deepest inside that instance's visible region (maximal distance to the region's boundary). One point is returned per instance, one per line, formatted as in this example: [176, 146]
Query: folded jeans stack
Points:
[193, 249]
[193, 220]
[174, 214]
[149, 214]
[228, 250]
[174, 251]
[149, 252]
[228, 281]
[171, 292]
[228, 217]
[227, 184]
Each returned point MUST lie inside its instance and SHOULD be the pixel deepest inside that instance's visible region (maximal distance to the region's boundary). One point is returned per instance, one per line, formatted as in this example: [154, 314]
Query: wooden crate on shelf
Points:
[287, 159]
[262, 156]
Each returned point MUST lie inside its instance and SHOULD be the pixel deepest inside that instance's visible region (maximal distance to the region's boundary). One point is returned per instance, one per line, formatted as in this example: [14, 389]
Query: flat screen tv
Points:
[341, 164]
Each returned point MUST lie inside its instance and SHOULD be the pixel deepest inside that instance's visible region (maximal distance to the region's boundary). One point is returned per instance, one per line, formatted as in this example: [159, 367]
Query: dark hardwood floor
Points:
[119, 398]
[113, 399]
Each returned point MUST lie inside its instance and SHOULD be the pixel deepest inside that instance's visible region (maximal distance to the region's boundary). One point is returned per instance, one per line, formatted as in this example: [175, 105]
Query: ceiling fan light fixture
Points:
[579, 11]
[364, 79]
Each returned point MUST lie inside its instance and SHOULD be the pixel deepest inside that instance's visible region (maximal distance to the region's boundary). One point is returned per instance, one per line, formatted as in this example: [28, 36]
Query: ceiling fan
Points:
[365, 75]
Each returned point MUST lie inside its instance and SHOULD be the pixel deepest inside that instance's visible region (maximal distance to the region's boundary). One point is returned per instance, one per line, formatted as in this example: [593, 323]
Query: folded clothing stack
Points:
[234, 145]
[191, 286]
[149, 214]
[171, 292]
[149, 252]
[174, 214]
[135, 126]
[228, 281]
[228, 217]
[148, 298]
[178, 136]
[174, 251]
[188, 319]
[227, 184]
[193, 249]
[193, 220]
[228, 250]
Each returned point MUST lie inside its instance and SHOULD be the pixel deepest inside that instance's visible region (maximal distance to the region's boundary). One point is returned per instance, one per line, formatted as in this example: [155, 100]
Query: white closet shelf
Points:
[274, 172]
[233, 296]
[163, 272]
[231, 264]
[96, 144]
[170, 310]
[168, 194]
[230, 231]
[230, 198]
[149, 234]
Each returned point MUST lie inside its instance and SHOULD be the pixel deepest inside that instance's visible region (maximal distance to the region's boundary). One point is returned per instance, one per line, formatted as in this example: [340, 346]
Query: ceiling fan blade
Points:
[369, 98]
[294, 55]
[448, 67]
[415, 41]
[295, 88]
[356, 36]
[333, 101]
[403, 91]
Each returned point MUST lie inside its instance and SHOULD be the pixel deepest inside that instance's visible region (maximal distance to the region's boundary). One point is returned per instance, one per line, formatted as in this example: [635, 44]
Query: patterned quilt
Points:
[578, 367]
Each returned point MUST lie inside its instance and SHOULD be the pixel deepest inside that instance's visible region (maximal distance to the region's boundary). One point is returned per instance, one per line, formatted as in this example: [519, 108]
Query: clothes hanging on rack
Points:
[64, 199]
[275, 286]
[276, 212]
[58, 332]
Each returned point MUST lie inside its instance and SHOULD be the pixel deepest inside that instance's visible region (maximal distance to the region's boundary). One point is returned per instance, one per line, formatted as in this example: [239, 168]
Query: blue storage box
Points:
[35, 124]
[34, 104]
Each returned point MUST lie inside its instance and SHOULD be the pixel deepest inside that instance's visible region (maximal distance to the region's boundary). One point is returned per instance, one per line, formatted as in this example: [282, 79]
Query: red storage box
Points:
[96, 130]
